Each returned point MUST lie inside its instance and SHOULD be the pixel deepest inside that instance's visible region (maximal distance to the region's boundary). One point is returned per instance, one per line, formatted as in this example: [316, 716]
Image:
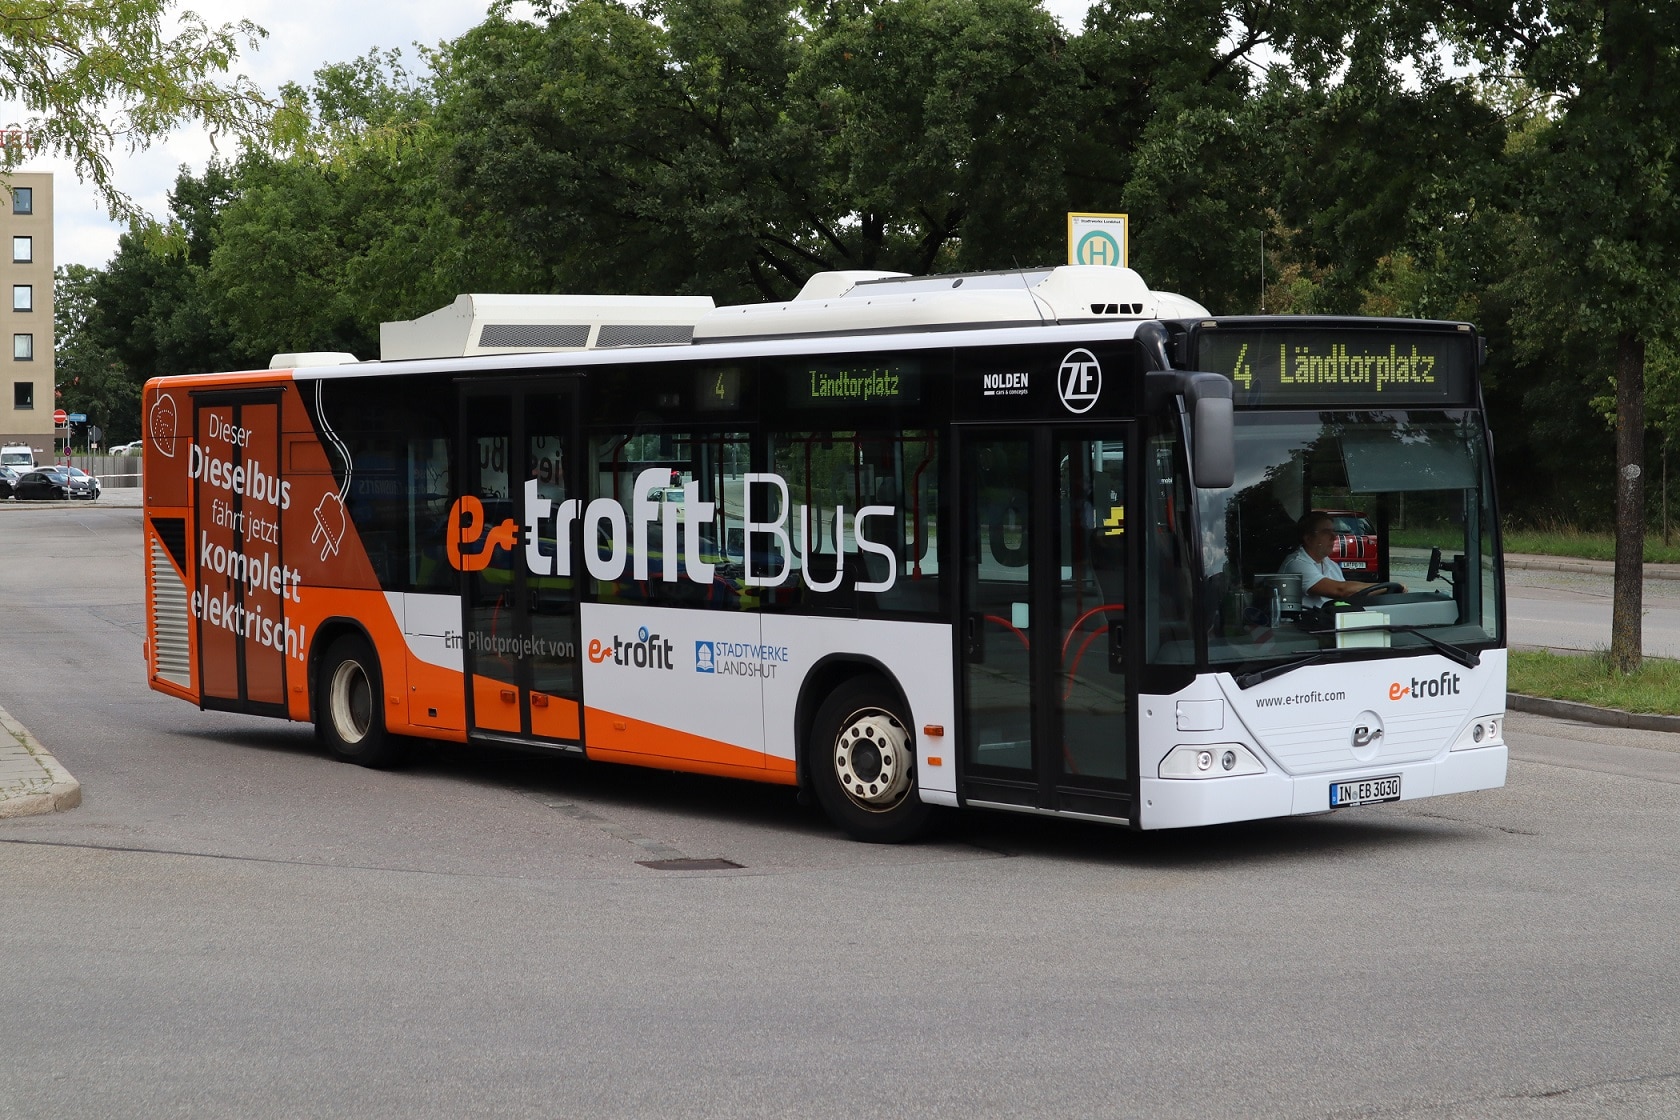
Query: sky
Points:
[303, 35]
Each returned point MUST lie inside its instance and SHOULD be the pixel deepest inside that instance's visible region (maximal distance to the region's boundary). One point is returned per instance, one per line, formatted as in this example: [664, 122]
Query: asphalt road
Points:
[1571, 611]
[234, 925]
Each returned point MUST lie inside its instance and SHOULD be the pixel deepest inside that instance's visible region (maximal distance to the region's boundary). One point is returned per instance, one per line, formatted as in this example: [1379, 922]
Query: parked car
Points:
[46, 483]
[128, 448]
[82, 484]
[1356, 541]
[8, 479]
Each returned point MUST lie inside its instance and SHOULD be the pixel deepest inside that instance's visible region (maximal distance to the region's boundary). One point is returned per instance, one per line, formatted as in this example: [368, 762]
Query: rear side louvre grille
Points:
[169, 620]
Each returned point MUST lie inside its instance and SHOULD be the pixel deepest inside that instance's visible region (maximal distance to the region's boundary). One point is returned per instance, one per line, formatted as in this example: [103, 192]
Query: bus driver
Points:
[1321, 577]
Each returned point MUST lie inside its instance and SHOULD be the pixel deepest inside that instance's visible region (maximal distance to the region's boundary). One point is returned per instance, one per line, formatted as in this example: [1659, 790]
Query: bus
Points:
[1006, 540]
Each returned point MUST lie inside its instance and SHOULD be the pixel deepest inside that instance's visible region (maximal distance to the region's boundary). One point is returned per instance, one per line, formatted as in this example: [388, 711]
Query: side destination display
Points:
[1339, 366]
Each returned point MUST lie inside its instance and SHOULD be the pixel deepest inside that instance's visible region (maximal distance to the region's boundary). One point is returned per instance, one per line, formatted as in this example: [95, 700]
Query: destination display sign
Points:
[869, 382]
[1339, 366]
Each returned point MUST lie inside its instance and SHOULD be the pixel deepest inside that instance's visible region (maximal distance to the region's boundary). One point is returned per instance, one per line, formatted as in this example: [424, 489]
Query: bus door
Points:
[1046, 641]
[236, 512]
[519, 598]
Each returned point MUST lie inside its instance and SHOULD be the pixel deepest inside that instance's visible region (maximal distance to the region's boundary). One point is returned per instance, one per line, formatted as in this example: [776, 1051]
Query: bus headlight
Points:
[1220, 760]
[1483, 731]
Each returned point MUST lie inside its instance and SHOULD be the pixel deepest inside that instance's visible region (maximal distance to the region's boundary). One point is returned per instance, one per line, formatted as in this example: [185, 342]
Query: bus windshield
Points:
[1397, 485]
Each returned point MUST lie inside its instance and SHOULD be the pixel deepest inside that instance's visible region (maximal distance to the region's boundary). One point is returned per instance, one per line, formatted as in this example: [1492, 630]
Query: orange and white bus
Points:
[1004, 540]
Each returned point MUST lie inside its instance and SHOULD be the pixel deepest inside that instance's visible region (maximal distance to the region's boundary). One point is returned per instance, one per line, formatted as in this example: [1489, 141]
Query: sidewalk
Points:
[1605, 568]
[31, 780]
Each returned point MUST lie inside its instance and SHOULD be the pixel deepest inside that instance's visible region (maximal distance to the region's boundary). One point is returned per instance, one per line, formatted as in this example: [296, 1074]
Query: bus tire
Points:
[862, 764]
[350, 719]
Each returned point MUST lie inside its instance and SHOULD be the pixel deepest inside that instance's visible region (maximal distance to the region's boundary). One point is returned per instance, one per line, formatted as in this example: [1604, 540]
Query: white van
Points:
[18, 456]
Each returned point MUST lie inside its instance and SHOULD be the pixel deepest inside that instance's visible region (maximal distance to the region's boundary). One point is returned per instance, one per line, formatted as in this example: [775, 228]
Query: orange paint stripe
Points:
[621, 738]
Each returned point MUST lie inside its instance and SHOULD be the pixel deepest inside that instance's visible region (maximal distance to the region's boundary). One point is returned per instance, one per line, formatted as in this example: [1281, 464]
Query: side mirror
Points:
[1212, 430]
[1434, 572]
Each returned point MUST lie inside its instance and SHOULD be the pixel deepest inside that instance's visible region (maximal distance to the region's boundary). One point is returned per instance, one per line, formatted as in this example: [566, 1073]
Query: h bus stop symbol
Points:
[1098, 239]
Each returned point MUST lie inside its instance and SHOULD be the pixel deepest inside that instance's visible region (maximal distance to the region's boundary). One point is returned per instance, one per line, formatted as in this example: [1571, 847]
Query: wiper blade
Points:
[1467, 658]
[1260, 676]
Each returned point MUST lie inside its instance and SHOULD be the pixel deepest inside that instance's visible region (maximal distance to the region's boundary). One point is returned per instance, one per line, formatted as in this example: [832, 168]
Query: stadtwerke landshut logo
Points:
[739, 659]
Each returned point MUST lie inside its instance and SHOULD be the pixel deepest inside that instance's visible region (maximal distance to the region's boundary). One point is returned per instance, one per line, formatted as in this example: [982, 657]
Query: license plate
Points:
[1366, 791]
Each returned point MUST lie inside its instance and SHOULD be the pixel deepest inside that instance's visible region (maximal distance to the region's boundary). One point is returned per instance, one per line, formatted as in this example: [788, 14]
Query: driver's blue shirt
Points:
[1311, 571]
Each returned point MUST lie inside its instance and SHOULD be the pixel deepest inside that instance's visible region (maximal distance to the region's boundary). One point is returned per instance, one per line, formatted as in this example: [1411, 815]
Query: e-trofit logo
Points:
[647, 651]
[1444, 685]
[1079, 381]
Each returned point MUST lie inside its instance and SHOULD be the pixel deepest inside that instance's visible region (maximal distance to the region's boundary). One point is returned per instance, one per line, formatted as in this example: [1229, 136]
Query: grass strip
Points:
[1586, 546]
[1588, 679]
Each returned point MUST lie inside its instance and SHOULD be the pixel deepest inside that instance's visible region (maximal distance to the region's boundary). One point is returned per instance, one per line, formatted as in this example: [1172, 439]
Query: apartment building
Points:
[26, 238]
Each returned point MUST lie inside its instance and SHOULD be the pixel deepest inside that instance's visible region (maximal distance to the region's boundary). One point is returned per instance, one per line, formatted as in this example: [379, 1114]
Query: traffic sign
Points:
[1098, 239]
[78, 418]
[60, 417]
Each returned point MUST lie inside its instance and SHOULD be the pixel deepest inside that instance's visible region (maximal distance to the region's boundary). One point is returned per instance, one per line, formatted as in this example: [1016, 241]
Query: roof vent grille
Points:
[645, 334]
[545, 335]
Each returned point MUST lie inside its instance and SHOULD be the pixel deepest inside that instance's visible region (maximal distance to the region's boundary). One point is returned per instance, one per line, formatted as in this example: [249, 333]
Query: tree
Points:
[735, 147]
[1601, 205]
[97, 75]
[91, 379]
[152, 302]
[356, 224]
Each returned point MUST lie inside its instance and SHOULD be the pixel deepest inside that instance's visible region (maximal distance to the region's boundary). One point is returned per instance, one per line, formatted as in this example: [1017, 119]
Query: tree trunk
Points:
[1626, 625]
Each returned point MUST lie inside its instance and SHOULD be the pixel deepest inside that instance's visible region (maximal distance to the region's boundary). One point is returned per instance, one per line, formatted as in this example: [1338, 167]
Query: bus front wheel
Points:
[862, 764]
[349, 718]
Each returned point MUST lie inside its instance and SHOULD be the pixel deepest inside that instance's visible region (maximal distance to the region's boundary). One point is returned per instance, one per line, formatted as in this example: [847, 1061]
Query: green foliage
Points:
[91, 379]
[101, 75]
[735, 148]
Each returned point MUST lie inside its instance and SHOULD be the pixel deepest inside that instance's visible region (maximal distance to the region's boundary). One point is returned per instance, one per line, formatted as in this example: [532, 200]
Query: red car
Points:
[1356, 541]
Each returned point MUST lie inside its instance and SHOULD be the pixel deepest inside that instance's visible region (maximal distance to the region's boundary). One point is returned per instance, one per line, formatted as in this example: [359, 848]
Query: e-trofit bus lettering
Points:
[622, 542]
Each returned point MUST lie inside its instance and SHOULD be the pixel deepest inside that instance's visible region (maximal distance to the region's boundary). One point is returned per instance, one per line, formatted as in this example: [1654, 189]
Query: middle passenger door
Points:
[1046, 640]
[519, 581]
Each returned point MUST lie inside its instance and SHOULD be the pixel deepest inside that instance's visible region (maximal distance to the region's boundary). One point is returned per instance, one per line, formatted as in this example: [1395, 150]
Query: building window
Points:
[23, 347]
[23, 250]
[23, 200]
[23, 297]
[23, 394]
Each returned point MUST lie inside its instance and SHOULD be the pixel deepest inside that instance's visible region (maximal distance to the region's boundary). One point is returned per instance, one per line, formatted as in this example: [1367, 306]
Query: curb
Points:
[54, 790]
[1580, 566]
[1586, 713]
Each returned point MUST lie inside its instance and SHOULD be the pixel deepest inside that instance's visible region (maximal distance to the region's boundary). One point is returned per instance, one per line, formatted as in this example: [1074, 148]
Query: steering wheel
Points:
[1365, 594]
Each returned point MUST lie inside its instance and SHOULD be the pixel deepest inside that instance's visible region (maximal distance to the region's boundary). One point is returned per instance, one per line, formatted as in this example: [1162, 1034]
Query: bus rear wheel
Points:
[862, 764]
[349, 718]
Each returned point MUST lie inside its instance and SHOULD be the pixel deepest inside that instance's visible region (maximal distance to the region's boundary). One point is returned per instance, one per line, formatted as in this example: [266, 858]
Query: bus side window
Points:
[710, 468]
[839, 564]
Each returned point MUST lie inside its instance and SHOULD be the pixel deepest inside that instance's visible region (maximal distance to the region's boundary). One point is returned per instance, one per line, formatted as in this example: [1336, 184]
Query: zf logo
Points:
[1080, 381]
[1444, 685]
